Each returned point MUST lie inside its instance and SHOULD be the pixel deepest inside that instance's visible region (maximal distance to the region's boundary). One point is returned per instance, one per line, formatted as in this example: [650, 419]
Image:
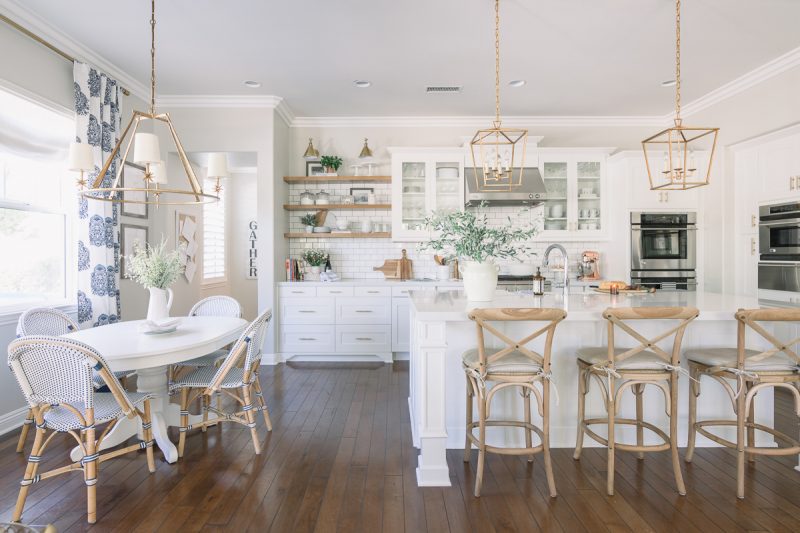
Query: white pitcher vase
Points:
[160, 303]
[480, 280]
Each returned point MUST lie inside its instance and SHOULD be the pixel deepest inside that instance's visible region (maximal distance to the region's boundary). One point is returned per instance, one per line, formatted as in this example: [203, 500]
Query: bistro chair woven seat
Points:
[55, 375]
[750, 371]
[237, 377]
[48, 321]
[490, 370]
[617, 369]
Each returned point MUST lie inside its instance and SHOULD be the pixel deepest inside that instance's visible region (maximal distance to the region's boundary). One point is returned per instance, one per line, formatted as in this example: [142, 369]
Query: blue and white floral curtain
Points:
[98, 123]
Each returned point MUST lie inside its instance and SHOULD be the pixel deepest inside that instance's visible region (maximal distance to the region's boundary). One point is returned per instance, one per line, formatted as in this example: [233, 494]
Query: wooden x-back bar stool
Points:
[752, 371]
[617, 369]
[513, 366]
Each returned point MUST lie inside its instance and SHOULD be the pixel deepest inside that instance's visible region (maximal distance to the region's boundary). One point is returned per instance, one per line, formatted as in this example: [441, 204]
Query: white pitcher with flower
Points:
[155, 269]
[468, 236]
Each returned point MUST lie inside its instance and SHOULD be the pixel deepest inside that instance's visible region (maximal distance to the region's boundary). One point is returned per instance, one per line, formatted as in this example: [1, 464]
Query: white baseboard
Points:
[271, 359]
[12, 420]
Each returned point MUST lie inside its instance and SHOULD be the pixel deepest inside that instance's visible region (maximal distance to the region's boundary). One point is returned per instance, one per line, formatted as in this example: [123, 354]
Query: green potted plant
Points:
[155, 269]
[309, 220]
[468, 236]
[331, 163]
[316, 259]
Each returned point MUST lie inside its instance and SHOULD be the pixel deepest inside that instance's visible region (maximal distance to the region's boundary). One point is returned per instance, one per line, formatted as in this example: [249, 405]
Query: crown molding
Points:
[758, 75]
[285, 112]
[34, 23]
[476, 121]
[214, 100]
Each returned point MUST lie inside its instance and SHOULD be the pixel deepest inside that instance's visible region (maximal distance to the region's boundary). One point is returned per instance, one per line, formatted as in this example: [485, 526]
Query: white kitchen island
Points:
[441, 332]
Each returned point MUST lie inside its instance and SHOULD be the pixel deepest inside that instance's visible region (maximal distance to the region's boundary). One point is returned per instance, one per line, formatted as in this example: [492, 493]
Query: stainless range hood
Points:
[531, 192]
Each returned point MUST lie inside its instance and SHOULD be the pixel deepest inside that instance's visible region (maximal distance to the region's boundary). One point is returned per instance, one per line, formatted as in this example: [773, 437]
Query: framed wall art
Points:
[130, 235]
[133, 176]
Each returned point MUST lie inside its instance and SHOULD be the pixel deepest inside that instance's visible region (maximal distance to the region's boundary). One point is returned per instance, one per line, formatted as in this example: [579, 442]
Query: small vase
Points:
[480, 280]
[309, 229]
[315, 271]
[160, 303]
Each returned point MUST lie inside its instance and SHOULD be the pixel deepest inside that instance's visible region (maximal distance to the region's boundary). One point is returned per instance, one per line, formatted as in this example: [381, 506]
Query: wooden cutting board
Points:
[626, 291]
[396, 268]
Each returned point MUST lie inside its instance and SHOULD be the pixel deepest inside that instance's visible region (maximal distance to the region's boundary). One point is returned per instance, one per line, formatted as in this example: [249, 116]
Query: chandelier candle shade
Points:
[676, 157]
[147, 152]
[498, 153]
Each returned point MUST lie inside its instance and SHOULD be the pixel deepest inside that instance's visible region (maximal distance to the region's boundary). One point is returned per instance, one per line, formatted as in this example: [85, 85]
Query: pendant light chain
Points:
[497, 61]
[153, 57]
[678, 62]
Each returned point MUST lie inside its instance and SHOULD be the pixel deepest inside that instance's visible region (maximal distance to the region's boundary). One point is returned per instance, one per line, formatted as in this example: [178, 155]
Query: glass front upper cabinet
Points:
[423, 181]
[590, 193]
[556, 206]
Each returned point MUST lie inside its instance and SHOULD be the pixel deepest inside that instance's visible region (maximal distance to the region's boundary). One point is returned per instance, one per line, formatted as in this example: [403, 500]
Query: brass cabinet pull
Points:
[752, 246]
[792, 183]
[752, 221]
[298, 292]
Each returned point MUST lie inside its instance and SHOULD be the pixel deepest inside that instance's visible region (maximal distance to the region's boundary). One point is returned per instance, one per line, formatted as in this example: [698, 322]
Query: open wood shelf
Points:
[330, 207]
[336, 179]
[353, 235]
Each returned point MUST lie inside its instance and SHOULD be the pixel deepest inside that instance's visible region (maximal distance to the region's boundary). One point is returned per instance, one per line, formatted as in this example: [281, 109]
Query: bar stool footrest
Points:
[506, 423]
[628, 422]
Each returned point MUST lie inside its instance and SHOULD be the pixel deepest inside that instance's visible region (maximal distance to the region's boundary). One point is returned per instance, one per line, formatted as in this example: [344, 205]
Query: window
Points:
[213, 237]
[36, 204]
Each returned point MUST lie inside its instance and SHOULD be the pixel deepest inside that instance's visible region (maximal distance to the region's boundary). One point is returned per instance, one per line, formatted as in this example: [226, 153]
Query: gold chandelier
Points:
[496, 158]
[679, 147]
[147, 153]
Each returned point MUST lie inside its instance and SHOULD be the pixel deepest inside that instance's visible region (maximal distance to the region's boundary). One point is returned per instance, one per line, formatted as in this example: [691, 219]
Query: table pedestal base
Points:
[164, 414]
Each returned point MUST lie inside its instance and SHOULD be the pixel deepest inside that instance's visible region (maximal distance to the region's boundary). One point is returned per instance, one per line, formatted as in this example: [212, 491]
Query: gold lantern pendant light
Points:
[679, 149]
[147, 153]
[498, 153]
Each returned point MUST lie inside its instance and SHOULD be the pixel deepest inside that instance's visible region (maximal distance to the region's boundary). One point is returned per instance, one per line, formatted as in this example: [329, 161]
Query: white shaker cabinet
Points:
[401, 324]
[424, 180]
[779, 169]
[746, 191]
[640, 196]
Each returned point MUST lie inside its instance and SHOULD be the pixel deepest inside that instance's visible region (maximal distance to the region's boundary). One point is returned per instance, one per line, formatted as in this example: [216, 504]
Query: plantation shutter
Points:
[213, 237]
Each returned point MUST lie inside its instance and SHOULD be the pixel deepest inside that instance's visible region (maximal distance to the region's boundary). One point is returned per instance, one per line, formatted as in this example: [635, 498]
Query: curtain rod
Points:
[28, 33]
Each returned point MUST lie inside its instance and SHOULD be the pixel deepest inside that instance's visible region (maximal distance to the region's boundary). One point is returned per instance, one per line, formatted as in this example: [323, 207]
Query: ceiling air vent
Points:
[441, 89]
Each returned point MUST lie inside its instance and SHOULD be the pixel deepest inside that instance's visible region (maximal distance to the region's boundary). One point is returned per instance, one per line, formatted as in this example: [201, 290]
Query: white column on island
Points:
[429, 430]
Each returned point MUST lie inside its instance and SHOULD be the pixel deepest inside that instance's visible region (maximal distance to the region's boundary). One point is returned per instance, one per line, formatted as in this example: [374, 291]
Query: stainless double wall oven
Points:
[779, 248]
[664, 250]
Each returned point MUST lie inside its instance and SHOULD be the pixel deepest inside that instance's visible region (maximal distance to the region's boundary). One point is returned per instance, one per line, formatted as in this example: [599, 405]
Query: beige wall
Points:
[242, 208]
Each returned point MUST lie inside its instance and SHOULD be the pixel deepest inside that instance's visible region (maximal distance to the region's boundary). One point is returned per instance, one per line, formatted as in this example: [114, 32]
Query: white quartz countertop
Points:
[580, 306]
[376, 282]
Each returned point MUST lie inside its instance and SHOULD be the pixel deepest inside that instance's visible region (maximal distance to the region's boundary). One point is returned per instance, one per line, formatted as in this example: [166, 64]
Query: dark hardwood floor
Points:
[340, 459]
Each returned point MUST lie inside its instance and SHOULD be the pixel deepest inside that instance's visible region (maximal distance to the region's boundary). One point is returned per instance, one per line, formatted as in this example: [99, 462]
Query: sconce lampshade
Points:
[311, 153]
[159, 172]
[218, 165]
[146, 149]
[366, 152]
[80, 157]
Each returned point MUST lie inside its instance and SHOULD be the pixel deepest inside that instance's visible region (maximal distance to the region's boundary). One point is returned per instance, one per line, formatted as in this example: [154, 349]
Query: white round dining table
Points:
[124, 347]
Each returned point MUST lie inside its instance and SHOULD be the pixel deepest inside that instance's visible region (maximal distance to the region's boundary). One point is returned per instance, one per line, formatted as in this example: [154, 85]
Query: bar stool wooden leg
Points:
[206, 403]
[583, 388]
[548, 465]
[184, 420]
[751, 432]
[251, 419]
[638, 392]
[612, 408]
[741, 416]
[481, 444]
[526, 398]
[467, 443]
[23, 435]
[30, 474]
[673, 433]
[694, 391]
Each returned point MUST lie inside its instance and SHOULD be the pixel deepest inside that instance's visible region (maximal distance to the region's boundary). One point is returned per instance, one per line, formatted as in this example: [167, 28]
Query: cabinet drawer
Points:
[335, 291]
[403, 290]
[372, 291]
[307, 311]
[363, 311]
[363, 339]
[304, 339]
[297, 290]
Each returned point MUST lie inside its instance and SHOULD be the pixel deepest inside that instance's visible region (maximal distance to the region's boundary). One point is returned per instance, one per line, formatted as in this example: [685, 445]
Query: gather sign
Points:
[252, 251]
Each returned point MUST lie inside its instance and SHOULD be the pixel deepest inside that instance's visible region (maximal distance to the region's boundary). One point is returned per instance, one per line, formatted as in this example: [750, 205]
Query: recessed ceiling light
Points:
[362, 83]
[517, 83]
[668, 83]
[252, 84]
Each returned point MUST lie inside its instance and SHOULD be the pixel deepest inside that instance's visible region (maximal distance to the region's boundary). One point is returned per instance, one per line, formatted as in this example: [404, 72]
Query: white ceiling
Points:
[580, 57]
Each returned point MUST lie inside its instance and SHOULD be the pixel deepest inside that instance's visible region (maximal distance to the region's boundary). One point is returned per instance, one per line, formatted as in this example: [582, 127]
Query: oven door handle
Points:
[663, 229]
[792, 222]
